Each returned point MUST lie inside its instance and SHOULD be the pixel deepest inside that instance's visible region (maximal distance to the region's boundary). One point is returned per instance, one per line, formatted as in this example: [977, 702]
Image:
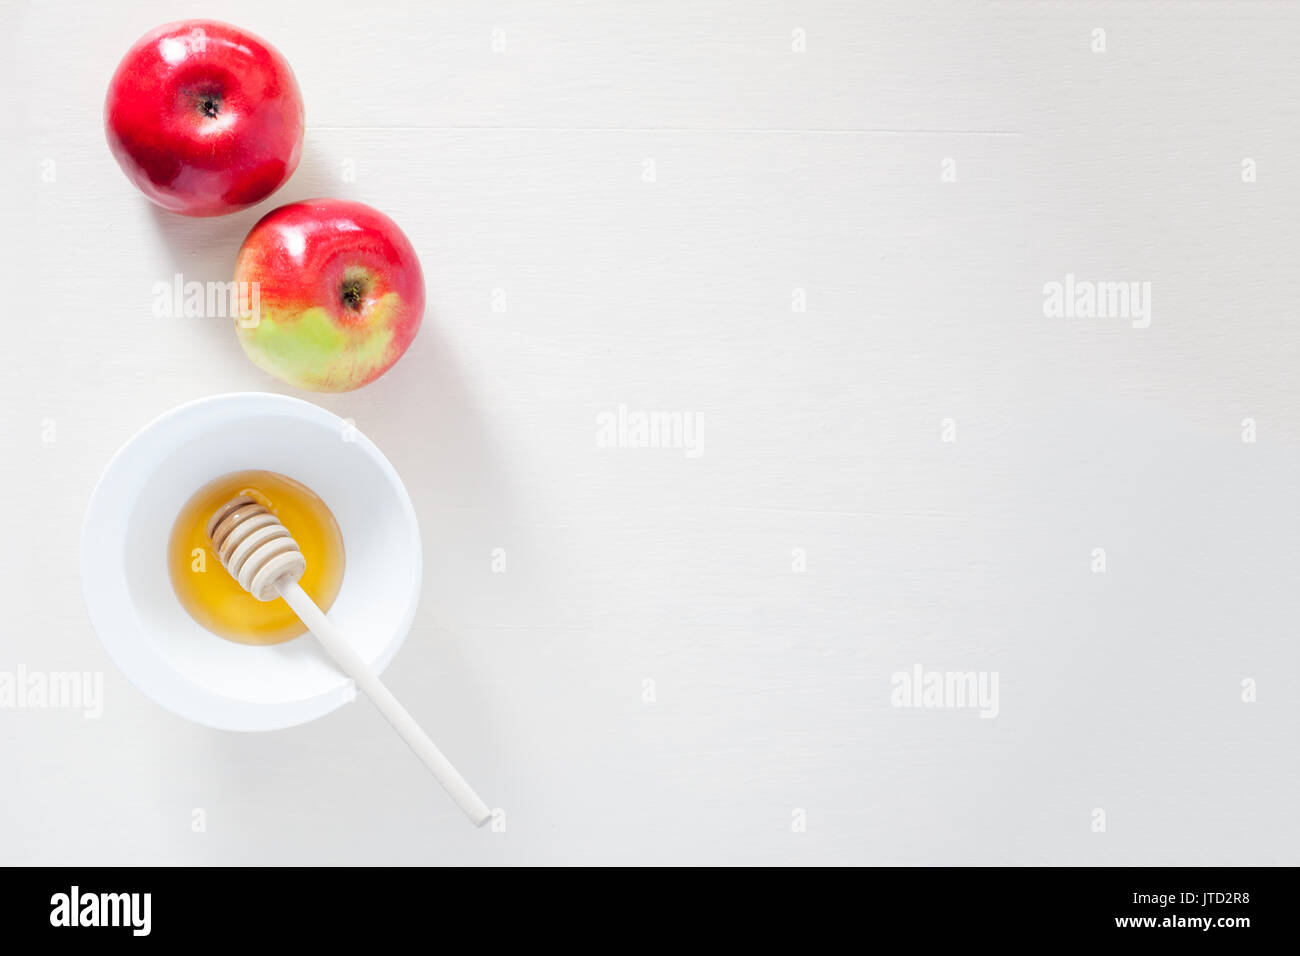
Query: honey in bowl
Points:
[213, 598]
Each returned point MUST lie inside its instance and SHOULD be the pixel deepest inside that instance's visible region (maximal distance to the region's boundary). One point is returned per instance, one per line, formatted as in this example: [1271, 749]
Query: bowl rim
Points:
[108, 602]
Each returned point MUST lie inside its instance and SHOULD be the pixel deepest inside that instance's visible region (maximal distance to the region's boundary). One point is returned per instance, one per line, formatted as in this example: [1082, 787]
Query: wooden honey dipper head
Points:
[255, 547]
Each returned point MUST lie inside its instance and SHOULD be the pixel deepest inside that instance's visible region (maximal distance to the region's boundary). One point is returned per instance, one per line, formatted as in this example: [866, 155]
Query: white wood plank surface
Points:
[797, 153]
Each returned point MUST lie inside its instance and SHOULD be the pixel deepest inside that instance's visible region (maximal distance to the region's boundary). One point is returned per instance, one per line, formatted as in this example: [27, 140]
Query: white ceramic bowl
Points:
[128, 593]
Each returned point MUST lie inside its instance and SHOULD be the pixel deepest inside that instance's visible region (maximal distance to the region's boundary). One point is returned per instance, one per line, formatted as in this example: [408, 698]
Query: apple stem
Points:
[353, 293]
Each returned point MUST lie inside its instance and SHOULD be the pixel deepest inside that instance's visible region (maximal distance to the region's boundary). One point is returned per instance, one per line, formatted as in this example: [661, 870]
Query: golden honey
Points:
[215, 599]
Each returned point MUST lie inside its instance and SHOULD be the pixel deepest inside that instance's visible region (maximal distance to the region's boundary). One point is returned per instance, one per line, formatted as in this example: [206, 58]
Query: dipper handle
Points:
[337, 646]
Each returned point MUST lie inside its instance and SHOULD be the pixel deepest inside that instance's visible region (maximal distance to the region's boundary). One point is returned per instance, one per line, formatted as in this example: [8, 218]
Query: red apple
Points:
[339, 294]
[204, 118]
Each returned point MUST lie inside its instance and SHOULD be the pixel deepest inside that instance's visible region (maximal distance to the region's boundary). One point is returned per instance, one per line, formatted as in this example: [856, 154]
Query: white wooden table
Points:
[822, 230]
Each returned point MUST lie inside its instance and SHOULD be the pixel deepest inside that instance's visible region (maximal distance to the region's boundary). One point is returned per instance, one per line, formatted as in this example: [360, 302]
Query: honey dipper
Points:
[258, 551]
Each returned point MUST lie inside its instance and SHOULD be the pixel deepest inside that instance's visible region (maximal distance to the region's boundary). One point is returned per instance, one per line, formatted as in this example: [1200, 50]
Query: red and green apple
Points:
[340, 294]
